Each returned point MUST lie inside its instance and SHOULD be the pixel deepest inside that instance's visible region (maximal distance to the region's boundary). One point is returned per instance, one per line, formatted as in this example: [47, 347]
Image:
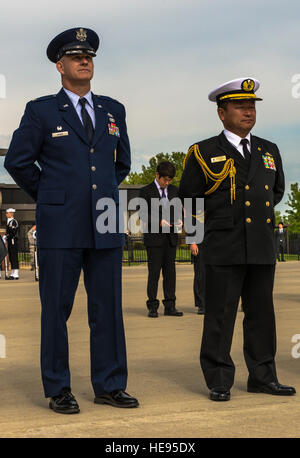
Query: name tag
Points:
[60, 134]
[218, 159]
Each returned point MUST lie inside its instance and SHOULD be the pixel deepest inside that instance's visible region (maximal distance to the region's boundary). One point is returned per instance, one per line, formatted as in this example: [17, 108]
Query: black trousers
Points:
[161, 258]
[224, 286]
[12, 248]
[199, 278]
[280, 252]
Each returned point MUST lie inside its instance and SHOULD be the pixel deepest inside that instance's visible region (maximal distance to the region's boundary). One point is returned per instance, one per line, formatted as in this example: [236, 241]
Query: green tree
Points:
[293, 213]
[278, 216]
[147, 174]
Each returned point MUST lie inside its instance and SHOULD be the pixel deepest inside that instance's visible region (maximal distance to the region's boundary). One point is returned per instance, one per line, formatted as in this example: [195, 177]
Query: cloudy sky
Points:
[161, 58]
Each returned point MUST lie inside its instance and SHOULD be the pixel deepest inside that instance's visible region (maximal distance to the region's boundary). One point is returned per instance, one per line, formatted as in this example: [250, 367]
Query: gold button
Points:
[268, 220]
[94, 186]
[266, 187]
[92, 150]
[93, 168]
[267, 204]
[248, 220]
[247, 187]
[247, 203]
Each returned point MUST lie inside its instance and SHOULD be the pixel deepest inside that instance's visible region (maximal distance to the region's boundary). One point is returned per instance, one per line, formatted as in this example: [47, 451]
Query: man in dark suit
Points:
[80, 143]
[241, 179]
[280, 237]
[161, 244]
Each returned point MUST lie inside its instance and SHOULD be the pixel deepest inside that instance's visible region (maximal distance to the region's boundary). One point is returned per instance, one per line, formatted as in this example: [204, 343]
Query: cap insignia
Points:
[248, 85]
[81, 35]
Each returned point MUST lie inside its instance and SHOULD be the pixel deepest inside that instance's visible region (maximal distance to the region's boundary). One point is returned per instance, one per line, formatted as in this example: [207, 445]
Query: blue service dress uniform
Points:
[52, 159]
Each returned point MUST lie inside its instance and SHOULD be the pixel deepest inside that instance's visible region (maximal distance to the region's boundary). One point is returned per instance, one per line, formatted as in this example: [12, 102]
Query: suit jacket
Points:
[241, 232]
[51, 158]
[157, 239]
[280, 238]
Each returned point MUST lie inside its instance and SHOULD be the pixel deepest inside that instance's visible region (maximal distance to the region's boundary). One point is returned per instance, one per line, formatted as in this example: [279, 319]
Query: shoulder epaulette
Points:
[108, 98]
[44, 97]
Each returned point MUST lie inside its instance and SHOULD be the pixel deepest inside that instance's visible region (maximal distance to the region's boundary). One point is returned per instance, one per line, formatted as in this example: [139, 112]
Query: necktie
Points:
[87, 122]
[246, 152]
[163, 196]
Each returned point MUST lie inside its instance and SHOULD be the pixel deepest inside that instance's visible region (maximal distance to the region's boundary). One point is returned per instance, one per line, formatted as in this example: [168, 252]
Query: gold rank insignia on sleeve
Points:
[228, 169]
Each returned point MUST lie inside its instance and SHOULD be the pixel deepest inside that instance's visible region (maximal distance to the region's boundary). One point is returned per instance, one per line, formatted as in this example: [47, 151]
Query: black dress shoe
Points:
[64, 403]
[117, 398]
[152, 314]
[201, 311]
[271, 388]
[219, 395]
[173, 312]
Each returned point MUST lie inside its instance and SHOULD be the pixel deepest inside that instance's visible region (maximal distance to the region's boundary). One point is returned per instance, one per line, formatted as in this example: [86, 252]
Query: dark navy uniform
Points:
[12, 236]
[239, 252]
[240, 235]
[72, 174]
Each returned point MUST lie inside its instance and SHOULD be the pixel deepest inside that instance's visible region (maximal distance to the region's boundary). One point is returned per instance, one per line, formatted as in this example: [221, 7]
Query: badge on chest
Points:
[113, 129]
[218, 159]
[268, 161]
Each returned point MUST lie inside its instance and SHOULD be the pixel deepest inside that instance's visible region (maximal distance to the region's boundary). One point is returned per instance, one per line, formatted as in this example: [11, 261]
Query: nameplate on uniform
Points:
[60, 134]
[218, 159]
[269, 162]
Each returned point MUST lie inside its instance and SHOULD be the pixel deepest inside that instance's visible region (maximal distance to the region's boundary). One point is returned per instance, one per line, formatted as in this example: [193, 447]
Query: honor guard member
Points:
[80, 143]
[12, 231]
[241, 179]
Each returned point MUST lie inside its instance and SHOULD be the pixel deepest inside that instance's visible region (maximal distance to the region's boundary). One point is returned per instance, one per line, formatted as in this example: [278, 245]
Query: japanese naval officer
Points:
[71, 150]
[241, 178]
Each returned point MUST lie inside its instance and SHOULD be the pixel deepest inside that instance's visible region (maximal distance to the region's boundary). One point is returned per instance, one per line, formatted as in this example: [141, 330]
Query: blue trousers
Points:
[59, 272]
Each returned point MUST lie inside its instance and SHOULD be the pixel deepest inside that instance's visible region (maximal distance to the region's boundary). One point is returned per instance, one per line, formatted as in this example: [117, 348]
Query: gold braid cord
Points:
[228, 169]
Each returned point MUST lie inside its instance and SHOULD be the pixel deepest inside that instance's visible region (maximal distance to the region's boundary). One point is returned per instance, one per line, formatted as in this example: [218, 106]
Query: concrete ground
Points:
[164, 370]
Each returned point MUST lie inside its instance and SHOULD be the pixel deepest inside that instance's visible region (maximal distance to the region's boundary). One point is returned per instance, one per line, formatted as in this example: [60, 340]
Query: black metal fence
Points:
[135, 251]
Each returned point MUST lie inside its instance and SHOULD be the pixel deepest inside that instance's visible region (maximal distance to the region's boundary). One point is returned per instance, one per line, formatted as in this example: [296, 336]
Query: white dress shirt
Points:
[89, 105]
[235, 140]
[160, 190]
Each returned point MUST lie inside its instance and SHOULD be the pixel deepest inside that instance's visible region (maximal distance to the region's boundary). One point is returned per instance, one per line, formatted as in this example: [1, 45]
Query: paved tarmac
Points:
[164, 370]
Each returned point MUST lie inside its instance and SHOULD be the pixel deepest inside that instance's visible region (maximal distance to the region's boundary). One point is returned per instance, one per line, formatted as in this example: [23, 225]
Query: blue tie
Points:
[86, 119]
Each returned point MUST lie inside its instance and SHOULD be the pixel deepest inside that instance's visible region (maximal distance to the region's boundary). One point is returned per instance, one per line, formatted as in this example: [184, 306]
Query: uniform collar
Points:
[75, 97]
[234, 139]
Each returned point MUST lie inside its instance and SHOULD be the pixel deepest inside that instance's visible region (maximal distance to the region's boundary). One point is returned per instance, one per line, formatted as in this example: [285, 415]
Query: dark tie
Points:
[163, 196]
[86, 119]
[246, 152]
